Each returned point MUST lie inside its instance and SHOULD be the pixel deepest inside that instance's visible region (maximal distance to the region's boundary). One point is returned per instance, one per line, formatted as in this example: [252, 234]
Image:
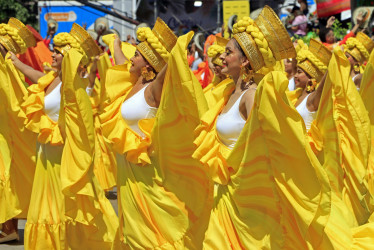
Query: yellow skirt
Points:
[48, 226]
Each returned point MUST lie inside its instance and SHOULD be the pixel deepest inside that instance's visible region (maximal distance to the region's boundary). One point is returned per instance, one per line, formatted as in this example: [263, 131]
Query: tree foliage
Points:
[25, 11]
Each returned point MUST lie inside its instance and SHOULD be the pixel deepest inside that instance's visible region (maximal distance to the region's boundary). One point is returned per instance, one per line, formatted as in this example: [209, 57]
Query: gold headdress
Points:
[16, 37]
[359, 47]
[156, 44]
[263, 40]
[79, 39]
[314, 60]
[217, 49]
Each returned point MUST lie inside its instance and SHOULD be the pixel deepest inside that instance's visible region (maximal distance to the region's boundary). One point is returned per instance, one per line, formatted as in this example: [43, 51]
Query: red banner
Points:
[326, 8]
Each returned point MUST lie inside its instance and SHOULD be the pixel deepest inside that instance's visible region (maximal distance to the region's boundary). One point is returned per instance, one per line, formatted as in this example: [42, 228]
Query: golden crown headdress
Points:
[217, 49]
[87, 43]
[263, 40]
[314, 60]
[359, 47]
[156, 44]
[16, 37]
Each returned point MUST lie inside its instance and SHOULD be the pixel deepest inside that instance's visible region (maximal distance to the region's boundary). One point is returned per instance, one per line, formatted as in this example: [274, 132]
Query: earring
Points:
[311, 86]
[356, 68]
[246, 73]
[148, 75]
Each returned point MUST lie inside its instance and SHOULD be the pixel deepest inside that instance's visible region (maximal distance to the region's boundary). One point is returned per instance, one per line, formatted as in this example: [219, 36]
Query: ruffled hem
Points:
[35, 118]
[183, 243]
[8, 201]
[65, 235]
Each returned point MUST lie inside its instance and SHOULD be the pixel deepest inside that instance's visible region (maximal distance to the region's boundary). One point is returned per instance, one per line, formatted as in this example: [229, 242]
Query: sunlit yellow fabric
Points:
[127, 49]
[68, 208]
[123, 139]
[105, 166]
[166, 204]
[17, 146]
[366, 90]
[263, 202]
[342, 132]
[214, 91]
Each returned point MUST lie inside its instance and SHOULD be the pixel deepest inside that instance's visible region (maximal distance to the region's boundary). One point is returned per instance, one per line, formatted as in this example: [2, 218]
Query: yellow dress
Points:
[271, 192]
[164, 195]
[68, 208]
[341, 138]
[17, 146]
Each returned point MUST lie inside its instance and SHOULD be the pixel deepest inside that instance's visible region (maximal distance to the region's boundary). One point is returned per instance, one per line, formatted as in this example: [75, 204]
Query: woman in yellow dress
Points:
[164, 196]
[214, 91]
[68, 208]
[17, 144]
[357, 50]
[251, 141]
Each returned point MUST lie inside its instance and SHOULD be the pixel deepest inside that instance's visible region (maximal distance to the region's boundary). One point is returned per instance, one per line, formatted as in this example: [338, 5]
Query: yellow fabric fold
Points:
[266, 202]
[215, 91]
[17, 145]
[366, 90]
[344, 125]
[127, 49]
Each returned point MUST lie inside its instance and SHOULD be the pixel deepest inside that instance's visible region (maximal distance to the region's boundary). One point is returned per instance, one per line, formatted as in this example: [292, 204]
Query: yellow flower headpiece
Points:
[359, 47]
[156, 44]
[79, 39]
[263, 40]
[314, 60]
[217, 49]
[16, 37]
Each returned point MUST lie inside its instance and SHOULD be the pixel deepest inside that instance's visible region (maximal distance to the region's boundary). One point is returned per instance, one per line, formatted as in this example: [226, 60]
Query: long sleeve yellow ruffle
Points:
[262, 200]
[342, 131]
[68, 208]
[17, 146]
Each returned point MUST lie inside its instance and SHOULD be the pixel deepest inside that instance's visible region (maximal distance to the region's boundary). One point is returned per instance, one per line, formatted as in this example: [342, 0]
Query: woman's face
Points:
[351, 59]
[301, 78]
[57, 59]
[138, 62]
[330, 38]
[232, 60]
[288, 65]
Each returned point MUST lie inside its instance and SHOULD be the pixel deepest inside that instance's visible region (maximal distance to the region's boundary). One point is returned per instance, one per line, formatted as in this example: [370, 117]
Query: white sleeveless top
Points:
[136, 108]
[230, 124]
[353, 79]
[307, 115]
[52, 103]
[291, 84]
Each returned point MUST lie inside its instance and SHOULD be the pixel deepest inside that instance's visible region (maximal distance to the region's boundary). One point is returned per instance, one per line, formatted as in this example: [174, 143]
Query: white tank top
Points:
[230, 124]
[52, 103]
[307, 115]
[136, 108]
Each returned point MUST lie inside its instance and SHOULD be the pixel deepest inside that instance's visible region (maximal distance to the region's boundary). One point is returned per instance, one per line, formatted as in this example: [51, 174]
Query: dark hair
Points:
[323, 32]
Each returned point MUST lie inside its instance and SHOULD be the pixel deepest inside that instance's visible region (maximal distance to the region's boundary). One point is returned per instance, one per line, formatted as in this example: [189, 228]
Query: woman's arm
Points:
[156, 86]
[28, 71]
[118, 55]
[315, 97]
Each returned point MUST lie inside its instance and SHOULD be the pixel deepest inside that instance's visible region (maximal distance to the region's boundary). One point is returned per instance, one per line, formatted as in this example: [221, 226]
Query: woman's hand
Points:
[14, 59]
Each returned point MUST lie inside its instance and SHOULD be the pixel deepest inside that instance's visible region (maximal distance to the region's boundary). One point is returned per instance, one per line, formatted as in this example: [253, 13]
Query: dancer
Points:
[164, 196]
[68, 208]
[17, 144]
[241, 141]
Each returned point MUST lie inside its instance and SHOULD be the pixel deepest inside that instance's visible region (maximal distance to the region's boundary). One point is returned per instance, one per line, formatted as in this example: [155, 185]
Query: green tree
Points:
[25, 11]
